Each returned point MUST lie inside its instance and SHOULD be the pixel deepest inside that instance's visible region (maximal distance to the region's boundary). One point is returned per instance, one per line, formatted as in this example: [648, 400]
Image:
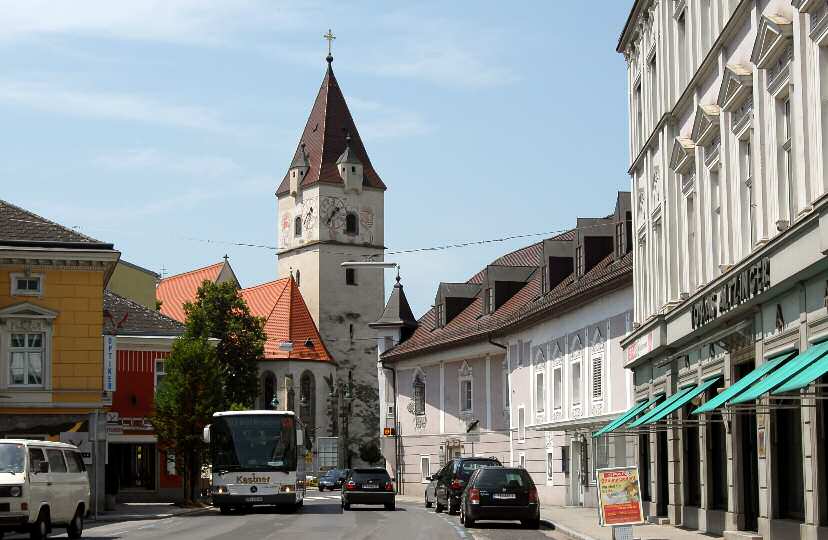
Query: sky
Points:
[165, 126]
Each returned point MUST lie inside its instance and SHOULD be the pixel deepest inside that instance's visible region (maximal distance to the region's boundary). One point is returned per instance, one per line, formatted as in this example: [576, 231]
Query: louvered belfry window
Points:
[597, 378]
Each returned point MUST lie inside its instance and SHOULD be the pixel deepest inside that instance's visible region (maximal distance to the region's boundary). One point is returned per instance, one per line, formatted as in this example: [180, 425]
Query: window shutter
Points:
[514, 351]
[597, 378]
[525, 358]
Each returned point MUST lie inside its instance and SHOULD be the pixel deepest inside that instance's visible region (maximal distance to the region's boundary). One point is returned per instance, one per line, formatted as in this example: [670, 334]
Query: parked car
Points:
[451, 480]
[430, 495]
[500, 493]
[43, 485]
[368, 486]
[332, 479]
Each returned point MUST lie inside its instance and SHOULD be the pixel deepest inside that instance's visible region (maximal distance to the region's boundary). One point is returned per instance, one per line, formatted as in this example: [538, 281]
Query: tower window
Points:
[297, 226]
[350, 276]
[298, 278]
[351, 223]
[353, 168]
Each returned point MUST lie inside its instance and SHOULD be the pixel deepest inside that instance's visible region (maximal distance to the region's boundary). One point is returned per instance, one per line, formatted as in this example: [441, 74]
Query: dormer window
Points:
[351, 224]
[438, 316]
[490, 300]
[544, 279]
[579, 261]
[297, 226]
[26, 285]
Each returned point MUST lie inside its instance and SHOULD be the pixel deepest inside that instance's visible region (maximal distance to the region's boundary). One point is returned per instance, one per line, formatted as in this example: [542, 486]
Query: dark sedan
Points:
[503, 494]
[368, 486]
[332, 479]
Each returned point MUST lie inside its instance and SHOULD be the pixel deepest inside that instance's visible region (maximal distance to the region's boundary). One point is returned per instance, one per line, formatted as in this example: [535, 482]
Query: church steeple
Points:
[324, 140]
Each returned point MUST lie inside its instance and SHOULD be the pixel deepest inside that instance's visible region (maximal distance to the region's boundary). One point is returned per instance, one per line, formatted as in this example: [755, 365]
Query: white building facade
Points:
[728, 140]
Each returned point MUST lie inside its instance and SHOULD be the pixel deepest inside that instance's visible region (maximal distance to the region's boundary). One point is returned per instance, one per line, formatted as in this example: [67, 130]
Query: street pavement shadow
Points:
[544, 525]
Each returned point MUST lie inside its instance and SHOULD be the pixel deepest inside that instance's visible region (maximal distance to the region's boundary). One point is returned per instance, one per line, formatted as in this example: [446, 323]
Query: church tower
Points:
[330, 206]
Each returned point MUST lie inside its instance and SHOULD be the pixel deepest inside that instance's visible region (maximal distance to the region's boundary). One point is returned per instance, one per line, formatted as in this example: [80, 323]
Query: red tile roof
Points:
[287, 318]
[324, 139]
[177, 290]
[527, 304]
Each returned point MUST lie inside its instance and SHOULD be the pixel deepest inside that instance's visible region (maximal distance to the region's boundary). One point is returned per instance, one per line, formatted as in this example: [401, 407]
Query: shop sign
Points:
[138, 423]
[743, 286]
[110, 349]
[640, 347]
[619, 496]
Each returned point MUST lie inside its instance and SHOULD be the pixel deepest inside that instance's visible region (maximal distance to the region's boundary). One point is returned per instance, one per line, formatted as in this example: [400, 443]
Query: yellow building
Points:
[134, 282]
[51, 324]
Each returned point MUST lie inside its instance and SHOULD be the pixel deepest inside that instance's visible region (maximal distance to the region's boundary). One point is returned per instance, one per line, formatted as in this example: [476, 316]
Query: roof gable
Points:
[737, 82]
[324, 140]
[681, 160]
[706, 124]
[771, 39]
[175, 291]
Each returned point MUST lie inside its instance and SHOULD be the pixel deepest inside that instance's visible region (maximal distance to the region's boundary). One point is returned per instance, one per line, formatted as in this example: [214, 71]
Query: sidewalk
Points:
[142, 511]
[582, 524]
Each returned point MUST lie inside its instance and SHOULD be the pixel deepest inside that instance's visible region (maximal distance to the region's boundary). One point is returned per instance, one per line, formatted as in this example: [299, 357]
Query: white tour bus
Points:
[257, 457]
[43, 485]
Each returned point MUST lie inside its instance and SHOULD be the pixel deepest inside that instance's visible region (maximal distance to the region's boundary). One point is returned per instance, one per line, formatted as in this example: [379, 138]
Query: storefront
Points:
[730, 419]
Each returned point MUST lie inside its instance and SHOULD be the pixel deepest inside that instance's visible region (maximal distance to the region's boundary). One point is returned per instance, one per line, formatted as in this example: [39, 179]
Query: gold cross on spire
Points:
[330, 37]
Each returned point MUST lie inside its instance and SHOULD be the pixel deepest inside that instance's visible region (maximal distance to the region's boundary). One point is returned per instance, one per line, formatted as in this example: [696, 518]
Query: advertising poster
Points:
[619, 496]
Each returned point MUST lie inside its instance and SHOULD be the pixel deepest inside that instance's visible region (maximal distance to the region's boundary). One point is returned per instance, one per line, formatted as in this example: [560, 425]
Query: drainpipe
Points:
[396, 429]
[496, 344]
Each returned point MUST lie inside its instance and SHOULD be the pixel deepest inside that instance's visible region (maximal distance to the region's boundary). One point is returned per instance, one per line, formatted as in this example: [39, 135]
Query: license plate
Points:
[253, 499]
[504, 495]
[370, 486]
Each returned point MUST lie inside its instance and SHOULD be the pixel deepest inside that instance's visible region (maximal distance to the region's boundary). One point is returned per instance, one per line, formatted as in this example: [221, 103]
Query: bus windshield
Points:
[253, 443]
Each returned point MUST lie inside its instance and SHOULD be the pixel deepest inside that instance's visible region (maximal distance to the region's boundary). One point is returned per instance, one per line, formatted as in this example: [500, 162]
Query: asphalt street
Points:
[322, 518]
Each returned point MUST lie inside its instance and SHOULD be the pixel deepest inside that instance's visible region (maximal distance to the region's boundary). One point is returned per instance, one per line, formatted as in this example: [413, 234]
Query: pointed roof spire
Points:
[397, 311]
[348, 156]
[301, 158]
[324, 140]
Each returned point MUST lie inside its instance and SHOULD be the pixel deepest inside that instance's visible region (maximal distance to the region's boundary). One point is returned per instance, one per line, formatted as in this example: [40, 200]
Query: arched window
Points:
[298, 278]
[307, 401]
[268, 392]
[419, 394]
[351, 223]
[297, 226]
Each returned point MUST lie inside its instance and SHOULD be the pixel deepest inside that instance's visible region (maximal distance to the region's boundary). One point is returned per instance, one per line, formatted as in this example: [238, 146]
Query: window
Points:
[638, 127]
[269, 392]
[557, 398]
[539, 392]
[419, 395]
[26, 285]
[716, 219]
[505, 387]
[36, 457]
[56, 462]
[465, 395]
[425, 469]
[74, 462]
[160, 371]
[521, 424]
[579, 263]
[522, 461]
[307, 401]
[565, 459]
[353, 168]
[691, 245]
[525, 350]
[350, 276]
[787, 160]
[351, 223]
[550, 463]
[597, 378]
[748, 205]
[544, 279]
[297, 226]
[576, 383]
[682, 49]
[600, 455]
[26, 360]
[490, 300]
[438, 316]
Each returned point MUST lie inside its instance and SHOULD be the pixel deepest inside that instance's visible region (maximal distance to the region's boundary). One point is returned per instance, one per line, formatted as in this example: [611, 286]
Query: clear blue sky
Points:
[153, 123]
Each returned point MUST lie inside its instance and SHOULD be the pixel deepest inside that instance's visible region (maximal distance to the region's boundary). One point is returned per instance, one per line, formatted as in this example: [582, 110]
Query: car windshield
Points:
[364, 475]
[502, 478]
[333, 474]
[253, 443]
[12, 458]
[468, 467]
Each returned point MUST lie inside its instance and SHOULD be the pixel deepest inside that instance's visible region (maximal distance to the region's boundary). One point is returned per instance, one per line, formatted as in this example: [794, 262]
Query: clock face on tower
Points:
[310, 216]
[333, 212]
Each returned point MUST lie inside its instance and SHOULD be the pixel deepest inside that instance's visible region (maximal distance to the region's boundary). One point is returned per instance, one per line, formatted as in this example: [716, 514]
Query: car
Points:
[332, 479]
[430, 495]
[43, 485]
[368, 486]
[503, 494]
[451, 480]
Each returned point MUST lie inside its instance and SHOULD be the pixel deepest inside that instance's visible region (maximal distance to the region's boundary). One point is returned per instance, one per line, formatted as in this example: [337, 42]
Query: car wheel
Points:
[391, 506]
[40, 528]
[75, 528]
[465, 520]
[531, 524]
[321, 489]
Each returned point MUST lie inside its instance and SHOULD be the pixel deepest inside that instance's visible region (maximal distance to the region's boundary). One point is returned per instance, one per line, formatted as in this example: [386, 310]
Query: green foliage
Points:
[220, 312]
[238, 407]
[186, 399]
[369, 452]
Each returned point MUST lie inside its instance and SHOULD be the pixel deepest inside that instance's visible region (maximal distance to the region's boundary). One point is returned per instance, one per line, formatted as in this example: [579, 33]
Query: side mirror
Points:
[206, 434]
[43, 467]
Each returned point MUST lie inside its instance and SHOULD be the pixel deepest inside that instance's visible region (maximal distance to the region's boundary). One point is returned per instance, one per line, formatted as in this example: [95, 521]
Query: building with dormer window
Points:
[727, 151]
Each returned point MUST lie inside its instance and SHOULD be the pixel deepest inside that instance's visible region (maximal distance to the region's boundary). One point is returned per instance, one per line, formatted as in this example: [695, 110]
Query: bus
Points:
[257, 457]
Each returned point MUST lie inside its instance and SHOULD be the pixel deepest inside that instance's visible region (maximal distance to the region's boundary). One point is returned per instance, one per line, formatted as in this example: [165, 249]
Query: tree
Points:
[220, 312]
[185, 401]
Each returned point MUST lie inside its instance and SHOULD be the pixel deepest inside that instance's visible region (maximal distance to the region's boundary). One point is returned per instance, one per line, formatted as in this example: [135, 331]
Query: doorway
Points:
[133, 465]
[662, 481]
[692, 461]
[644, 466]
[749, 455]
[787, 457]
[576, 474]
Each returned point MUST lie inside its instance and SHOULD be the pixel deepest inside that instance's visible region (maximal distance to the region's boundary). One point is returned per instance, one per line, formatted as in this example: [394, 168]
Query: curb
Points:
[113, 518]
[572, 533]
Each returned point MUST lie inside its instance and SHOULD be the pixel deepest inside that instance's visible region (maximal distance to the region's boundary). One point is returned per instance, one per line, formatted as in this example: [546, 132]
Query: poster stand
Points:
[619, 500]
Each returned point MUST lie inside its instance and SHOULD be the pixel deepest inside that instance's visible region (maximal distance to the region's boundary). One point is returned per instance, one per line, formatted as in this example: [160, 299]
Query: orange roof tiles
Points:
[287, 318]
[177, 290]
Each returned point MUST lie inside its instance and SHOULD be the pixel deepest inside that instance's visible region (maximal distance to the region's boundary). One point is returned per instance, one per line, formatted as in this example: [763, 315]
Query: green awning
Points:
[783, 373]
[736, 388]
[664, 404]
[626, 417]
[817, 369]
[682, 400]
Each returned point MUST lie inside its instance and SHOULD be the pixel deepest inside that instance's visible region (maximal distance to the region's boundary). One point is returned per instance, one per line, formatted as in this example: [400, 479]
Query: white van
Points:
[42, 485]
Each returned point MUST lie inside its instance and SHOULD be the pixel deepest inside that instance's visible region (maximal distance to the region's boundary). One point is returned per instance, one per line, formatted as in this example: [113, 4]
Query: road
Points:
[321, 518]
